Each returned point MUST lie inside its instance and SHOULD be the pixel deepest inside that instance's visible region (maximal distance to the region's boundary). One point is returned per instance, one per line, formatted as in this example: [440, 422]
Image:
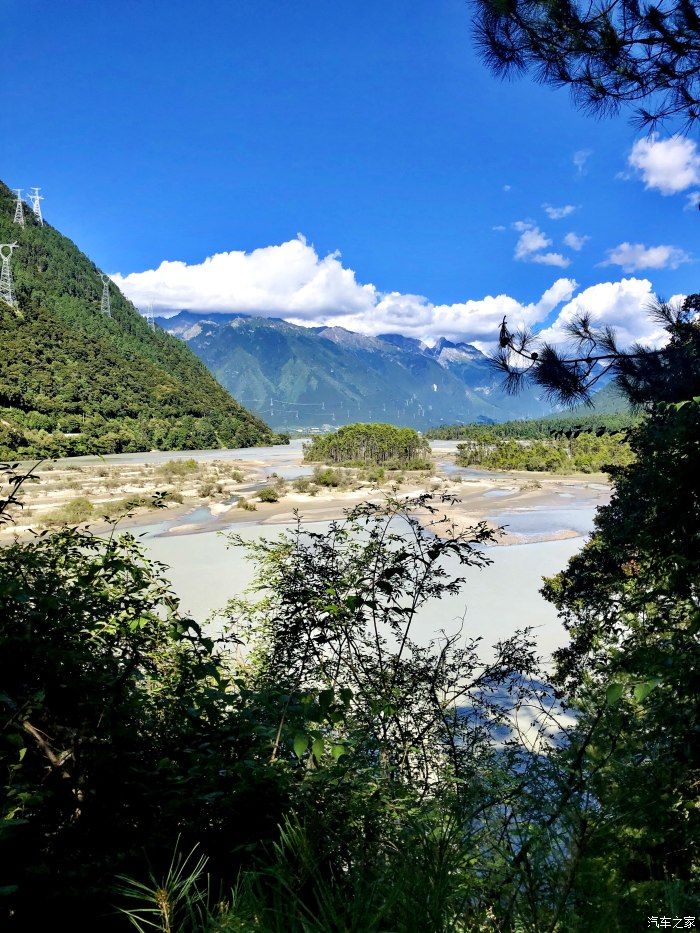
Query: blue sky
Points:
[182, 130]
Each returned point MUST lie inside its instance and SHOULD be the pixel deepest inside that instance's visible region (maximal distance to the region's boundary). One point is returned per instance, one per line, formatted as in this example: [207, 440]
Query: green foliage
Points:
[177, 469]
[609, 56]
[75, 382]
[538, 428]
[585, 453]
[268, 494]
[377, 444]
[77, 510]
[629, 601]
[331, 478]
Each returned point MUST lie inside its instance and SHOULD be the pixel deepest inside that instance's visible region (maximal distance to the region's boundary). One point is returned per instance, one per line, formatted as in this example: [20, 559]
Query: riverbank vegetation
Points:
[577, 453]
[381, 445]
[315, 767]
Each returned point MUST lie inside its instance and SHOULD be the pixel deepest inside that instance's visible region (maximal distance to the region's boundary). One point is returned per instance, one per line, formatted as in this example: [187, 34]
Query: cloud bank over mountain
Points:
[292, 281]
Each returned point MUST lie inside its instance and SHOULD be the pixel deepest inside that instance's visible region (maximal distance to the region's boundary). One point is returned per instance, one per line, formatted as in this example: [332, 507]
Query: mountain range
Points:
[301, 378]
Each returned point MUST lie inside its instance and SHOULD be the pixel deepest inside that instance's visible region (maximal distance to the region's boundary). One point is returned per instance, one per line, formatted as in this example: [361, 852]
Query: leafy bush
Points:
[329, 477]
[177, 468]
[268, 494]
[585, 453]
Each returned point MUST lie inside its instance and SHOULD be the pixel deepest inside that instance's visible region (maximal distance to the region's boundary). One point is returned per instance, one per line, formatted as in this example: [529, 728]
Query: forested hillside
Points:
[73, 381]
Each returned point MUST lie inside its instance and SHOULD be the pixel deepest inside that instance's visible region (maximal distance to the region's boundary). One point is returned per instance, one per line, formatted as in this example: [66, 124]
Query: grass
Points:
[75, 512]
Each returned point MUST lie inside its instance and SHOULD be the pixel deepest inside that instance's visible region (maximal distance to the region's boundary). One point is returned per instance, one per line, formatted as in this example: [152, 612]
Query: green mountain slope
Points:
[609, 400]
[74, 381]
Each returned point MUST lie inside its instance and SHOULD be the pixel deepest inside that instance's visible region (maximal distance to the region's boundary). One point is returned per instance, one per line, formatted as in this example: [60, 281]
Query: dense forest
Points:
[73, 381]
[536, 428]
[377, 444]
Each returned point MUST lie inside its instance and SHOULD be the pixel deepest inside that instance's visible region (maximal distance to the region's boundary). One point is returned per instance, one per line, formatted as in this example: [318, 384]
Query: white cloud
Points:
[287, 279]
[635, 256]
[622, 305]
[668, 165]
[499, 228]
[581, 156]
[551, 259]
[530, 241]
[530, 244]
[292, 281]
[692, 201]
[575, 242]
[556, 213]
[507, 188]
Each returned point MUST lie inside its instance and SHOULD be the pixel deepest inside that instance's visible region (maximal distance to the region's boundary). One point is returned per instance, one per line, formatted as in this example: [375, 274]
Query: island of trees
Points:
[382, 445]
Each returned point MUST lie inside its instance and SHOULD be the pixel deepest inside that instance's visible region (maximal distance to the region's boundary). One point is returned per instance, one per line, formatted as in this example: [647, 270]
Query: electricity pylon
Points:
[7, 288]
[36, 200]
[105, 307]
[19, 208]
[150, 320]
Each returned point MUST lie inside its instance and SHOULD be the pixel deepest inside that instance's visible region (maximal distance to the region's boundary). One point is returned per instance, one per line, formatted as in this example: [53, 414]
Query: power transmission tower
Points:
[105, 307]
[36, 200]
[7, 288]
[150, 320]
[19, 208]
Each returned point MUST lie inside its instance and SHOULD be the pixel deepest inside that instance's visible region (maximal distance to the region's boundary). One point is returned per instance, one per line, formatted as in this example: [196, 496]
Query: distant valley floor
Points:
[203, 491]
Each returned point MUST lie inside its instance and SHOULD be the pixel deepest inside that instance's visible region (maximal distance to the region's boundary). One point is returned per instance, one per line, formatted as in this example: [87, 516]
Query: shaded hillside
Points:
[303, 377]
[74, 381]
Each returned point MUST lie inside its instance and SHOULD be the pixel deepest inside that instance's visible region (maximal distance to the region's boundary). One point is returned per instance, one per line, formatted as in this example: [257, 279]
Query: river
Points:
[206, 571]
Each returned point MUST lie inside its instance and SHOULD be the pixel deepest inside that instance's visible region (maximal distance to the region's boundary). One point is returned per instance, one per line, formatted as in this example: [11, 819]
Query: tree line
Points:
[584, 453]
[535, 428]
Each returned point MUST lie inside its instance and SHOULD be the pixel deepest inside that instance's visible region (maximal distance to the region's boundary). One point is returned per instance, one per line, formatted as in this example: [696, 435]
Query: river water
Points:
[206, 571]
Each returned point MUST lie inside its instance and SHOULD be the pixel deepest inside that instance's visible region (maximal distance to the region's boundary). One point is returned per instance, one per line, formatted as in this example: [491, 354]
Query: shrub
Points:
[209, 488]
[268, 494]
[180, 468]
[72, 513]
